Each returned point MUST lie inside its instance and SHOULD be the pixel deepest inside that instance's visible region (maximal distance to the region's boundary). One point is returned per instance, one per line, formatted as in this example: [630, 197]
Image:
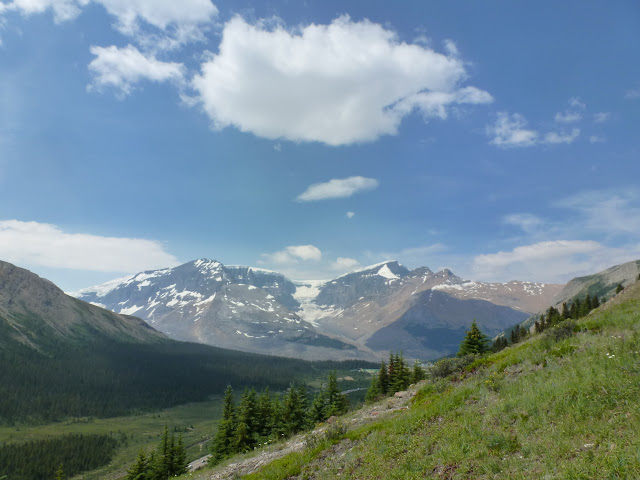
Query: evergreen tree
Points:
[595, 303]
[140, 469]
[265, 416]
[318, 407]
[383, 378]
[401, 377]
[418, 373]
[337, 403]
[223, 441]
[474, 342]
[60, 473]
[374, 392]
[565, 311]
[619, 288]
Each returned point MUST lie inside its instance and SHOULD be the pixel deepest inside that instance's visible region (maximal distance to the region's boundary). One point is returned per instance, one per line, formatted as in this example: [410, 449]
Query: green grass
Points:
[196, 422]
[550, 409]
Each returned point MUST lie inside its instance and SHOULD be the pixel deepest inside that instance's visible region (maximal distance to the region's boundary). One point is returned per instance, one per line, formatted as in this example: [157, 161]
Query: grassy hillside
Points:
[551, 407]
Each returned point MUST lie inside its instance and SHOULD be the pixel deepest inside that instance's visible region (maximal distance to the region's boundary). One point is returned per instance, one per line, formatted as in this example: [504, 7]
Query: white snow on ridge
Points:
[130, 310]
[102, 289]
[387, 273]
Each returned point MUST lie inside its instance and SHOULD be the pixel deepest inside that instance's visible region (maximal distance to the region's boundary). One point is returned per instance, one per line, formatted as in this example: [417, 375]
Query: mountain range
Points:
[363, 314]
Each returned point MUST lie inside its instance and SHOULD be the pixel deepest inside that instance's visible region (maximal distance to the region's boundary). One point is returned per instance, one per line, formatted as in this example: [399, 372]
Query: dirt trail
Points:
[297, 443]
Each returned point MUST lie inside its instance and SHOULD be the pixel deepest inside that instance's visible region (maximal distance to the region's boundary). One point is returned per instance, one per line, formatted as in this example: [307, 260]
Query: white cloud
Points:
[551, 261]
[291, 255]
[158, 24]
[556, 137]
[350, 214]
[123, 68]
[337, 188]
[597, 139]
[161, 14]
[573, 113]
[63, 10]
[344, 264]
[41, 244]
[341, 83]
[510, 131]
[601, 117]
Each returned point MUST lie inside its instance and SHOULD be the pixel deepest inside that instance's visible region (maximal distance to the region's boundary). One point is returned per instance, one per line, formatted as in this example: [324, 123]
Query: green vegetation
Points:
[109, 378]
[394, 377]
[474, 343]
[168, 460]
[553, 406]
[265, 418]
[46, 458]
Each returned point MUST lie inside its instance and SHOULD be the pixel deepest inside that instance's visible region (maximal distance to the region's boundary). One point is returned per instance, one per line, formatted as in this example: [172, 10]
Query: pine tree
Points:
[619, 288]
[60, 473]
[595, 303]
[317, 412]
[474, 342]
[374, 392]
[337, 403]
[140, 469]
[418, 373]
[565, 311]
[223, 441]
[383, 378]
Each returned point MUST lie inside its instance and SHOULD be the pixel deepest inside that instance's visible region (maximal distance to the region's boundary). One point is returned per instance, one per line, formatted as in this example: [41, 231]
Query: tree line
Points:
[259, 419]
[41, 459]
[106, 379]
[394, 377]
[168, 460]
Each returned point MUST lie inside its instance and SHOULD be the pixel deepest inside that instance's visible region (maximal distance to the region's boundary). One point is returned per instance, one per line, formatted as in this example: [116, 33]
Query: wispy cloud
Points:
[510, 131]
[291, 255]
[156, 24]
[46, 245]
[551, 261]
[601, 117]
[561, 137]
[632, 94]
[573, 113]
[122, 68]
[337, 188]
[344, 264]
[350, 214]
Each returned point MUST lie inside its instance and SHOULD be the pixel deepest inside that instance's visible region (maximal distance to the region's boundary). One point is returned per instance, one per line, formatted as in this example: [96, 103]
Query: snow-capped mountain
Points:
[358, 315]
[237, 307]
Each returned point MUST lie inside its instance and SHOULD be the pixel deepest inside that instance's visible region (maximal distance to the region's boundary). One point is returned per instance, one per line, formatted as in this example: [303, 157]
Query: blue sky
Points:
[499, 139]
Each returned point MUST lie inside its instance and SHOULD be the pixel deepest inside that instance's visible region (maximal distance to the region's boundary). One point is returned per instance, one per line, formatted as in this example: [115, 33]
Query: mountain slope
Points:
[61, 357]
[551, 407]
[262, 311]
[241, 308]
[37, 313]
[603, 284]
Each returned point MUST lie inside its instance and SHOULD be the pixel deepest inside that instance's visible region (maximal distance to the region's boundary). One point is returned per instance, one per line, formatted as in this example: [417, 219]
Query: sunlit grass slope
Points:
[546, 409]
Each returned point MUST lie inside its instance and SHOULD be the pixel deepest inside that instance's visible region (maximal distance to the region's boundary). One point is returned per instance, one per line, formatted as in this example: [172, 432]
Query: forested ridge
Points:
[110, 378]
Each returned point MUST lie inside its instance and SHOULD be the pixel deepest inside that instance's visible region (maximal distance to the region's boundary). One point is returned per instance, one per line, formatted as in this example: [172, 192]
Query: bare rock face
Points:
[241, 308]
[363, 314]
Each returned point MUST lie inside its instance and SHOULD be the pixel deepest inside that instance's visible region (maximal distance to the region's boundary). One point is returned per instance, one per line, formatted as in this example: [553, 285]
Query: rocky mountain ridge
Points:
[362, 314]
